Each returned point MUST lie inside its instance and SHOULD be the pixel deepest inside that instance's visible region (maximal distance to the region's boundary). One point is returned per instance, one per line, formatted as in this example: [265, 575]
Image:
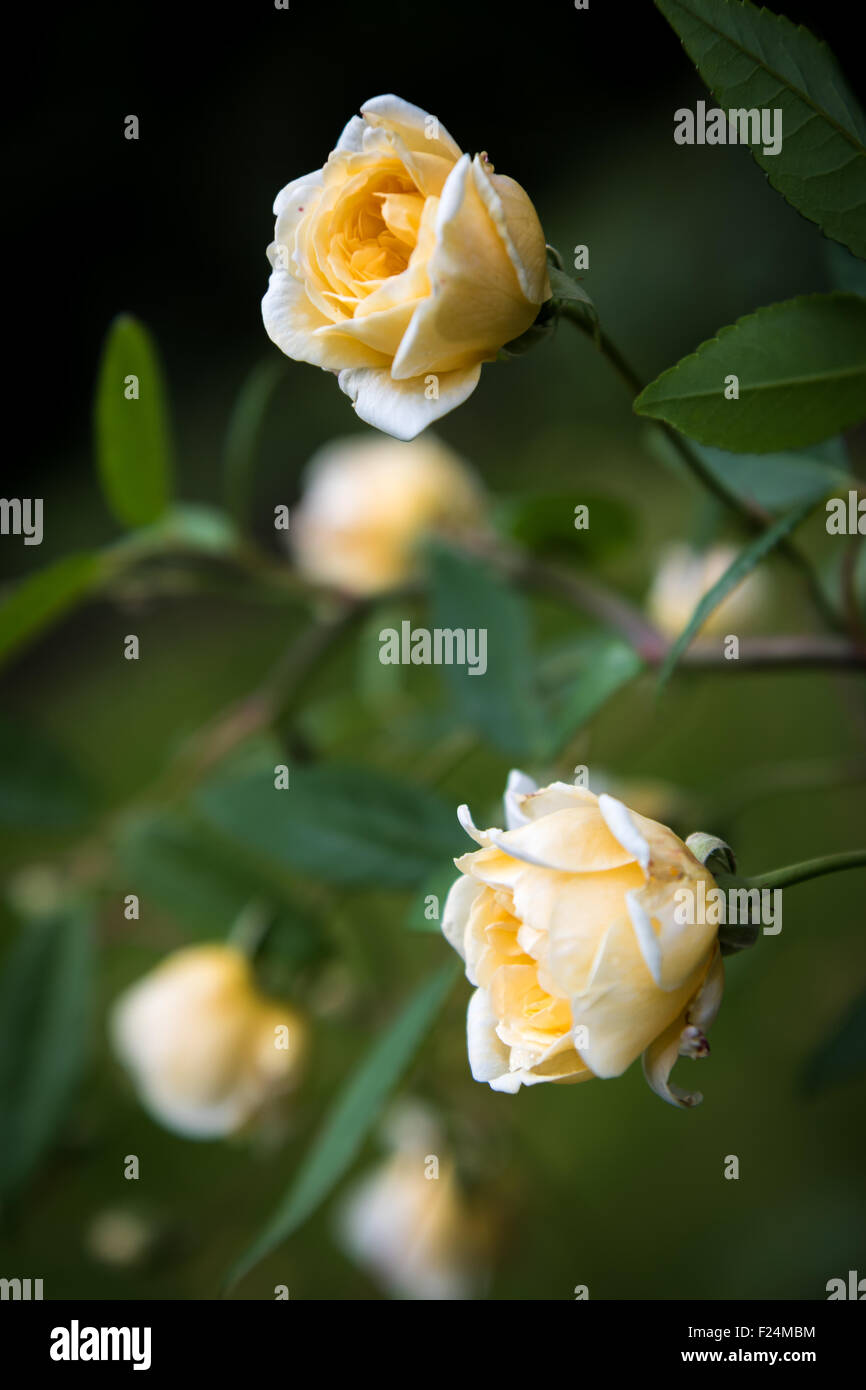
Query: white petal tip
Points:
[617, 818]
[517, 787]
[650, 946]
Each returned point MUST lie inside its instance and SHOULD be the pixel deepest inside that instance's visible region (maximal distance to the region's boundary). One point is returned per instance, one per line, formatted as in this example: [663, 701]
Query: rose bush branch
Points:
[262, 708]
[589, 596]
[807, 652]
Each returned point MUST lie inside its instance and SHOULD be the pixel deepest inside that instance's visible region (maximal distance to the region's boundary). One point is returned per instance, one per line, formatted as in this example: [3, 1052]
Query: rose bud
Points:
[206, 1051]
[402, 266]
[408, 1221]
[682, 579]
[367, 503]
[120, 1236]
[567, 922]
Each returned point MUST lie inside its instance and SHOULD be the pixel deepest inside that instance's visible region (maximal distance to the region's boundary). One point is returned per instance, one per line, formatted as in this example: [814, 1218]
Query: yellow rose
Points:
[682, 579]
[568, 924]
[403, 265]
[408, 1221]
[205, 1049]
[366, 503]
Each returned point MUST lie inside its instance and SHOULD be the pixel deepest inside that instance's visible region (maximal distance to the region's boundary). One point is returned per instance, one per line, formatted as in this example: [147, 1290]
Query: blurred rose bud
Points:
[408, 1222]
[367, 503]
[119, 1237]
[206, 1051]
[403, 265]
[682, 579]
[568, 924]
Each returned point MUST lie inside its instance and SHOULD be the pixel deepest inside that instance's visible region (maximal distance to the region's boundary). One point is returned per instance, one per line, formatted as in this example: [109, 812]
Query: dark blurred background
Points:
[236, 100]
[601, 1184]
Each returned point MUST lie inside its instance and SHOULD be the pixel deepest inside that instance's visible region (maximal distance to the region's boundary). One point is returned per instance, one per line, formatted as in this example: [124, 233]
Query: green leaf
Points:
[497, 701]
[774, 482]
[566, 290]
[842, 1056]
[846, 272]
[345, 825]
[45, 991]
[712, 851]
[185, 528]
[778, 481]
[39, 787]
[193, 526]
[603, 665]
[544, 523]
[752, 59]
[189, 873]
[571, 298]
[244, 434]
[351, 1118]
[133, 443]
[41, 598]
[733, 575]
[801, 367]
[185, 871]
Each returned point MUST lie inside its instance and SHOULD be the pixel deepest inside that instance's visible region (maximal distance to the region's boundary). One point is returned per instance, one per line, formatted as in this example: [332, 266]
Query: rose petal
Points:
[658, 1063]
[411, 123]
[677, 945]
[476, 303]
[488, 1057]
[517, 223]
[618, 820]
[464, 816]
[292, 322]
[455, 914]
[574, 841]
[559, 796]
[401, 408]
[661, 1055]
[650, 947]
[621, 1007]
[518, 787]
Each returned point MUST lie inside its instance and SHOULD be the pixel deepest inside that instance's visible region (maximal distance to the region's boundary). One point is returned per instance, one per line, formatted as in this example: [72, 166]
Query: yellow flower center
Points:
[372, 233]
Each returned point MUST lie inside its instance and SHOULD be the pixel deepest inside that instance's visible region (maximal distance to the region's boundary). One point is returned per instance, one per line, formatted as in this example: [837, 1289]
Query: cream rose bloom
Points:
[204, 1048]
[566, 922]
[685, 575]
[402, 266]
[366, 503]
[416, 1234]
